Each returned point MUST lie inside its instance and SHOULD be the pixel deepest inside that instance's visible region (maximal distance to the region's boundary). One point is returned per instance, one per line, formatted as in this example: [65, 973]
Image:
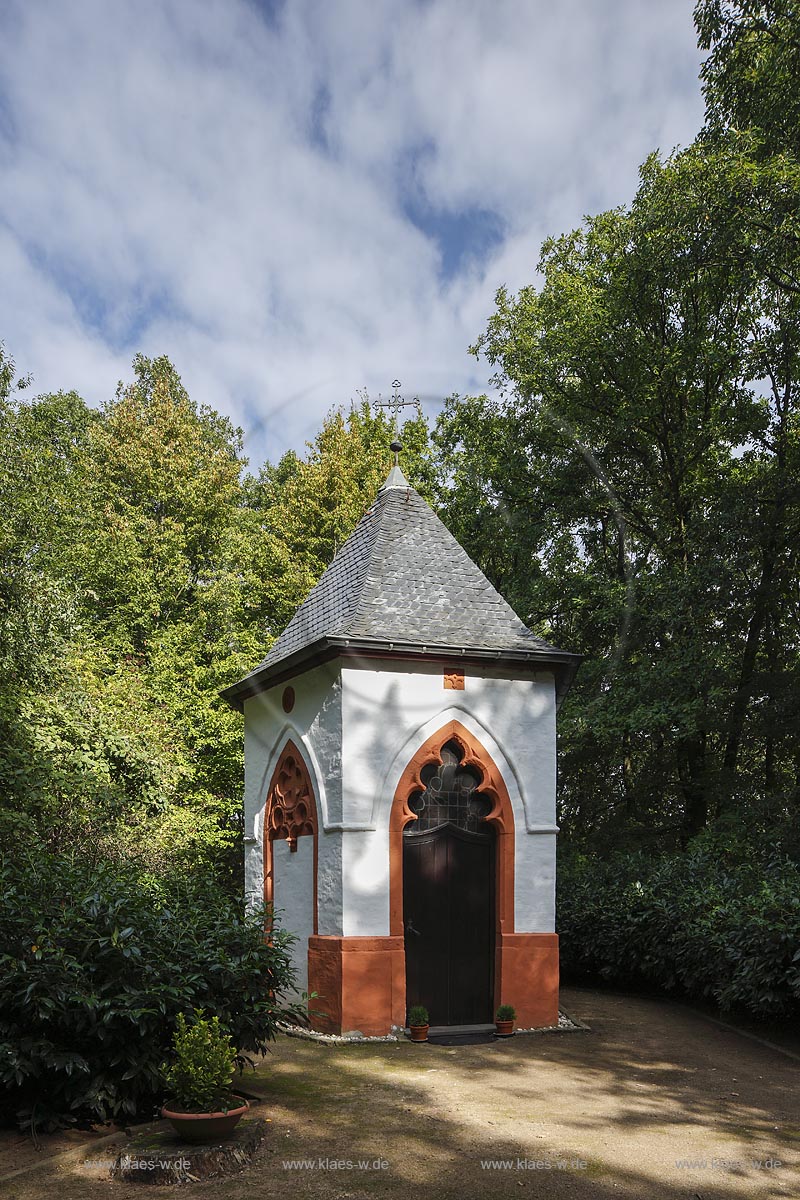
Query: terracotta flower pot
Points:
[504, 1028]
[419, 1033]
[208, 1126]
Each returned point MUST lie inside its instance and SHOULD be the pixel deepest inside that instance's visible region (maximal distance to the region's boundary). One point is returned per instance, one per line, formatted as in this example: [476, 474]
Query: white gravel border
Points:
[566, 1024]
[337, 1039]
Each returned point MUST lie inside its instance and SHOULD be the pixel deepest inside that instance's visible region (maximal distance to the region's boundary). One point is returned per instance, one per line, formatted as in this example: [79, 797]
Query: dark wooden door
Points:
[448, 912]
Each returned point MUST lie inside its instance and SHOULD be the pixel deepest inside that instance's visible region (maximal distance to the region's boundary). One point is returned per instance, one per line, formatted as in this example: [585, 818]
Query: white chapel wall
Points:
[293, 898]
[356, 729]
[388, 710]
[314, 725]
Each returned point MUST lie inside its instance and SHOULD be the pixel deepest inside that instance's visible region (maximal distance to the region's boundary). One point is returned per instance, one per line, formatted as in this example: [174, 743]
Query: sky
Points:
[297, 200]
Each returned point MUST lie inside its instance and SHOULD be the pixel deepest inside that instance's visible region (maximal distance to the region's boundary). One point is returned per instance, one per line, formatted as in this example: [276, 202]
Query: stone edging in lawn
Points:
[78, 1153]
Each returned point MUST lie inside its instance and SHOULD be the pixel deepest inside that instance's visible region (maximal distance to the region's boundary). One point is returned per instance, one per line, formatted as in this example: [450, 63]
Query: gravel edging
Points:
[336, 1039]
[566, 1024]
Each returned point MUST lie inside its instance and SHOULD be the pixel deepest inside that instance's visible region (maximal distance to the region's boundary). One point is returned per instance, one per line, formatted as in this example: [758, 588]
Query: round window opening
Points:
[288, 699]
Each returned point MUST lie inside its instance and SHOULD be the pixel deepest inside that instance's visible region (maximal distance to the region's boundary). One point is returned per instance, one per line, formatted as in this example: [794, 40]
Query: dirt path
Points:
[654, 1103]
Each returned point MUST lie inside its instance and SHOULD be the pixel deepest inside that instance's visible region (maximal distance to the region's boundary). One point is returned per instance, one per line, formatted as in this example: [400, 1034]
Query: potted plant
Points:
[203, 1106]
[504, 1020]
[418, 1023]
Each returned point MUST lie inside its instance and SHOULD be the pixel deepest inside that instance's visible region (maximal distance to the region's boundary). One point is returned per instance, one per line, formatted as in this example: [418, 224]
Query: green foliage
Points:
[633, 492]
[506, 1012]
[307, 508]
[162, 495]
[719, 922]
[8, 372]
[751, 76]
[39, 492]
[122, 613]
[203, 1064]
[140, 573]
[418, 1015]
[98, 961]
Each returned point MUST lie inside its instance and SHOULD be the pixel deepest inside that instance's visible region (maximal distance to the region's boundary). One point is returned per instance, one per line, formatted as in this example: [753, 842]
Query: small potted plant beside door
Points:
[418, 1023]
[504, 1020]
[203, 1108]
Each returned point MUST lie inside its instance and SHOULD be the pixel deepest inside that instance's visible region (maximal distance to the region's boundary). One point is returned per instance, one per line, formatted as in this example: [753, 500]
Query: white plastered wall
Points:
[388, 710]
[293, 898]
[357, 727]
[314, 725]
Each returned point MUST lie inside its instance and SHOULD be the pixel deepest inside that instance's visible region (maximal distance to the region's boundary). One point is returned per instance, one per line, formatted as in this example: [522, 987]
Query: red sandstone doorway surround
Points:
[360, 981]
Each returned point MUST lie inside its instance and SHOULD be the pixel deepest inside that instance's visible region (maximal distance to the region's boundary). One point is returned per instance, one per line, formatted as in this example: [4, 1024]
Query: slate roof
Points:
[402, 580]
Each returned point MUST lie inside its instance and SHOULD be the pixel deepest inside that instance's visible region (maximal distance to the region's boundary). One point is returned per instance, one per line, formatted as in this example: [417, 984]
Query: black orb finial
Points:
[394, 405]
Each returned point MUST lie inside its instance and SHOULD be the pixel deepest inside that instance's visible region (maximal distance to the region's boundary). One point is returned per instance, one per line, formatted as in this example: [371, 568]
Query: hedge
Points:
[718, 922]
[95, 965]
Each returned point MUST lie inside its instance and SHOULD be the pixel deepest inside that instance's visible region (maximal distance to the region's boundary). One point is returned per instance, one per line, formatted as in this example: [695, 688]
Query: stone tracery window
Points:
[451, 794]
[290, 810]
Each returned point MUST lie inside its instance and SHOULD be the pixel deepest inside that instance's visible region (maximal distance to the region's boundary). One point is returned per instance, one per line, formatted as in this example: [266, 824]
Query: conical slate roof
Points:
[402, 582]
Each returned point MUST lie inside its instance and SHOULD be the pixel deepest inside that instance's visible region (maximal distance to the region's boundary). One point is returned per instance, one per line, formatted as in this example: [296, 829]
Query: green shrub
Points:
[96, 963]
[418, 1015]
[720, 921]
[506, 1012]
[203, 1064]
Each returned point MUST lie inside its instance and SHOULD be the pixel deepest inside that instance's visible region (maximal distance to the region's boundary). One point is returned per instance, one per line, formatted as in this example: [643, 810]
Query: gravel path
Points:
[654, 1102]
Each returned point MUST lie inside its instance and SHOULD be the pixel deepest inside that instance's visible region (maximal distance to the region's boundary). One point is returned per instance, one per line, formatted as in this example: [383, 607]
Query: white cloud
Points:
[197, 181]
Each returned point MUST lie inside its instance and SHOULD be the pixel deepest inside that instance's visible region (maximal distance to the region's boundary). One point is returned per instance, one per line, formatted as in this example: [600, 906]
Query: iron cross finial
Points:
[394, 405]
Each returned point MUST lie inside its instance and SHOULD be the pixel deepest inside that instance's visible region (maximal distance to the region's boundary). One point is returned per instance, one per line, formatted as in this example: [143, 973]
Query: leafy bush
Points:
[506, 1012]
[96, 963]
[204, 1063]
[720, 921]
[418, 1015]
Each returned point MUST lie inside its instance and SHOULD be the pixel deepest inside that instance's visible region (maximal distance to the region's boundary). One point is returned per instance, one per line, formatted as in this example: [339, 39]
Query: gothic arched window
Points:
[451, 794]
[291, 811]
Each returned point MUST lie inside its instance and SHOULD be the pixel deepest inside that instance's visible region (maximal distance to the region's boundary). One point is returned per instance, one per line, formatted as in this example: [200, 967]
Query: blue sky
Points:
[299, 200]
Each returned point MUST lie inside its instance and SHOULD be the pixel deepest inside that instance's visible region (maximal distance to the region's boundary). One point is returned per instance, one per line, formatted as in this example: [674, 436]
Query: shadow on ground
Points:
[653, 1103]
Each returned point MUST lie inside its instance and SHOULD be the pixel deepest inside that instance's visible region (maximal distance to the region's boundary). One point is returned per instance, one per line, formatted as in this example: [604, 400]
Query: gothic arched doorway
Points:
[449, 901]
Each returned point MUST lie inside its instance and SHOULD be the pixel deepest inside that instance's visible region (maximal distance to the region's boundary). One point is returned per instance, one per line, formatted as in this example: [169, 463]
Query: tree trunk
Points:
[741, 701]
[691, 772]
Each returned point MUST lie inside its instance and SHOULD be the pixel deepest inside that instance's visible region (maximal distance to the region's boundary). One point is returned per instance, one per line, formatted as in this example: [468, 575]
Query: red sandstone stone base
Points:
[361, 981]
[526, 975]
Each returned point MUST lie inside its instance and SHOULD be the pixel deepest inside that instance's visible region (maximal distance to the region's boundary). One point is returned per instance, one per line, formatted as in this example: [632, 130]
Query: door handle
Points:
[410, 928]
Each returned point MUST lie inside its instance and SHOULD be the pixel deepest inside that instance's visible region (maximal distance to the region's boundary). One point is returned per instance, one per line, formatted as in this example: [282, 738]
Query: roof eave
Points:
[564, 662]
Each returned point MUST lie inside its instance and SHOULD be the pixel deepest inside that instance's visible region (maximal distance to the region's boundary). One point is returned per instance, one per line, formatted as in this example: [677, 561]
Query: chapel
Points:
[400, 784]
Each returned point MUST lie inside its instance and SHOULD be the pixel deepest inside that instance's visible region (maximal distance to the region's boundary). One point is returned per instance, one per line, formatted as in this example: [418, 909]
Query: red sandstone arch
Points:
[501, 817]
[290, 812]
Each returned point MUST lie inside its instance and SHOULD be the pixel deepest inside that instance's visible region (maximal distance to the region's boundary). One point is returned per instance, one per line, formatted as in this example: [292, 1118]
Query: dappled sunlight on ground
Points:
[654, 1102]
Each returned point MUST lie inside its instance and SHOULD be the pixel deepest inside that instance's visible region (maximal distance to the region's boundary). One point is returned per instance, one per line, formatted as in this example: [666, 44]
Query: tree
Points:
[628, 446]
[39, 489]
[751, 81]
[307, 508]
[143, 571]
[162, 482]
[751, 77]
